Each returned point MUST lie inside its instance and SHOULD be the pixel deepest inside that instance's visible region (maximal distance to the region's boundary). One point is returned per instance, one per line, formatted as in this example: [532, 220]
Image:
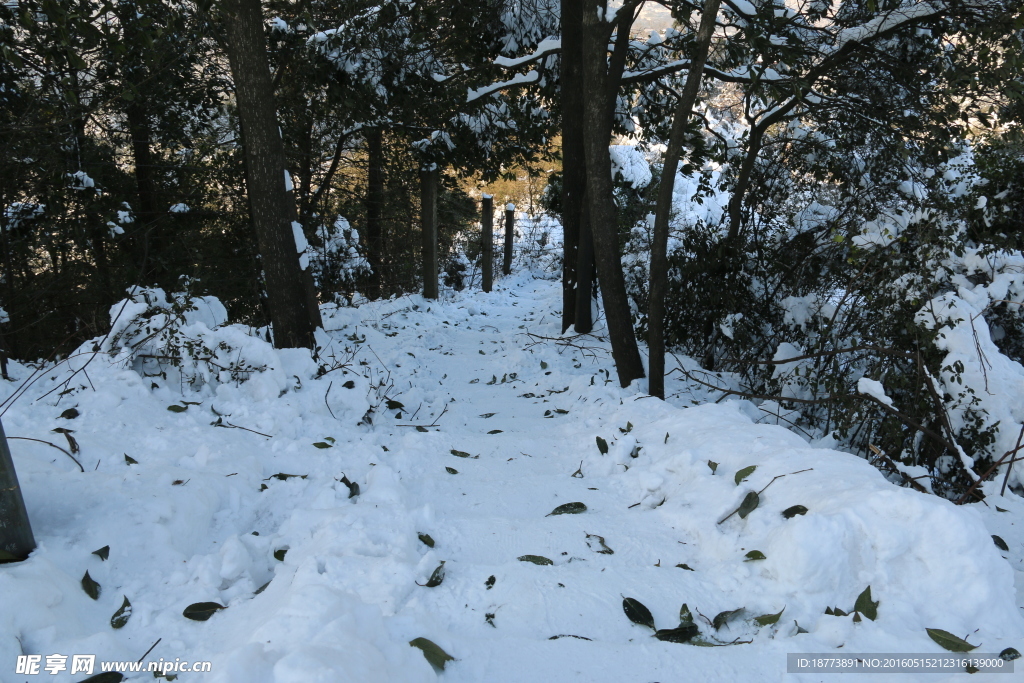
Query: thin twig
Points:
[52, 445]
[1009, 468]
[328, 404]
[432, 424]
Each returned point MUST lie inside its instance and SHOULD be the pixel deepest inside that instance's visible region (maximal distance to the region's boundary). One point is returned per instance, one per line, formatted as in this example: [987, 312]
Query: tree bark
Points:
[16, 540]
[574, 175]
[290, 315]
[428, 211]
[663, 211]
[510, 227]
[584, 321]
[147, 239]
[601, 76]
[374, 206]
[487, 242]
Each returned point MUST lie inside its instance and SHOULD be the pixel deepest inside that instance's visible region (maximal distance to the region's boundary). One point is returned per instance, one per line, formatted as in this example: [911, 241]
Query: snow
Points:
[80, 180]
[874, 389]
[192, 521]
[630, 166]
[179, 208]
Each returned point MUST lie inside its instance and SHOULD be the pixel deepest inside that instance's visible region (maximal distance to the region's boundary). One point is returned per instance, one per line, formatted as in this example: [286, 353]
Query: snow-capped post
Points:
[487, 237]
[428, 216]
[16, 540]
[510, 227]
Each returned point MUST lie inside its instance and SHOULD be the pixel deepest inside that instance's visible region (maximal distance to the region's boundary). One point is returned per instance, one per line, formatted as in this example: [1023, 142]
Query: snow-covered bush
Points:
[182, 339]
[892, 278]
[338, 263]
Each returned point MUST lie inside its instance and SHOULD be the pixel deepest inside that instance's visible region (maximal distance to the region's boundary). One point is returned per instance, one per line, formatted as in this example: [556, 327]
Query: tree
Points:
[290, 312]
[16, 540]
[601, 77]
[659, 245]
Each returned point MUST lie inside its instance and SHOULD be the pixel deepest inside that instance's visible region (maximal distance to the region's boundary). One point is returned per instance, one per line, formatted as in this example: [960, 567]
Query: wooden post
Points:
[510, 229]
[428, 211]
[487, 223]
[16, 540]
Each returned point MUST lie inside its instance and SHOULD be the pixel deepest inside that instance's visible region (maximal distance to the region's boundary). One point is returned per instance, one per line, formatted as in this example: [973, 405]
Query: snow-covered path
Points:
[343, 602]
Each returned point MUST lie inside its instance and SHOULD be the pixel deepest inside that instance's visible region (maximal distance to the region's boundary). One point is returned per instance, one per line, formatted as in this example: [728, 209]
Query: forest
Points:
[760, 243]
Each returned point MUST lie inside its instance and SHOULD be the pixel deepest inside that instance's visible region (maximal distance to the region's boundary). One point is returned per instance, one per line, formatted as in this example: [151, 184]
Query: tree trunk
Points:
[584, 321]
[287, 301]
[16, 540]
[663, 211]
[147, 231]
[574, 175]
[428, 212]
[374, 205]
[510, 227]
[487, 242]
[601, 77]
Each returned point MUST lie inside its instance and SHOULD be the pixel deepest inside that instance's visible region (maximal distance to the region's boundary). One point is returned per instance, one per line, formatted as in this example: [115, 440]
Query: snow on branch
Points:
[548, 46]
[518, 79]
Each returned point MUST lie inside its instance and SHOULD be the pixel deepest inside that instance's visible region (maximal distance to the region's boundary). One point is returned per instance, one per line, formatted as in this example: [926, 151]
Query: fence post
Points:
[428, 215]
[16, 540]
[510, 228]
[487, 225]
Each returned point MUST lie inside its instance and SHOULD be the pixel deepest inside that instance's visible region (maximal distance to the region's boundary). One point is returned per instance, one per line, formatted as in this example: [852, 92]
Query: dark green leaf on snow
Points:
[568, 509]
[628, 429]
[638, 613]
[322, 444]
[769, 619]
[1000, 543]
[602, 445]
[349, 385]
[790, 513]
[69, 414]
[494, 431]
[421, 428]
[749, 504]
[103, 553]
[177, 408]
[451, 470]
[281, 476]
[280, 553]
[122, 615]
[436, 578]
[262, 588]
[605, 550]
[723, 618]
[426, 540]
[684, 615]
[201, 611]
[91, 588]
[486, 415]
[433, 653]
[463, 454]
[682, 634]
[686, 567]
[744, 473]
[1009, 654]
[395, 405]
[536, 559]
[865, 606]
[949, 641]
[755, 555]
[130, 460]
[713, 465]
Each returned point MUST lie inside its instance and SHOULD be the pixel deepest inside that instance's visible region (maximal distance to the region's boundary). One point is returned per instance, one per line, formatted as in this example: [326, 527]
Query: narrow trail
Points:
[481, 420]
